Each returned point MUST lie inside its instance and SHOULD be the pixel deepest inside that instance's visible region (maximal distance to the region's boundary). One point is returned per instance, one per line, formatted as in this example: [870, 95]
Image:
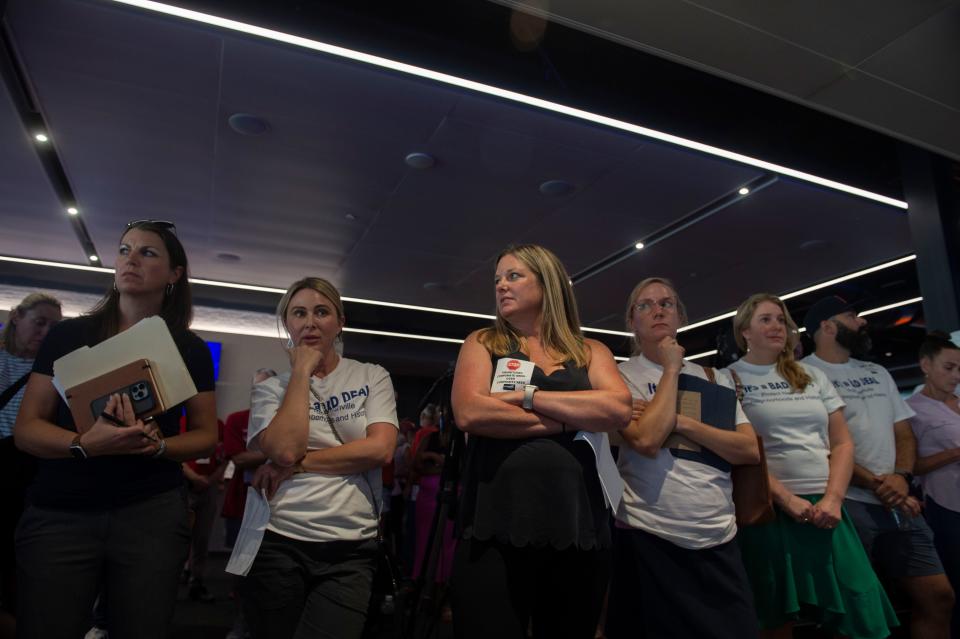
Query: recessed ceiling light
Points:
[248, 124]
[638, 245]
[556, 188]
[418, 160]
[350, 216]
[72, 210]
[41, 137]
[94, 258]
[743, 190]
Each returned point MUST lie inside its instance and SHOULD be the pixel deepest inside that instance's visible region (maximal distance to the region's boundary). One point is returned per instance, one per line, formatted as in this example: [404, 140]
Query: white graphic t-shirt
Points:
[873, 405]
[319, 507]
[688, 503]
[794, 426]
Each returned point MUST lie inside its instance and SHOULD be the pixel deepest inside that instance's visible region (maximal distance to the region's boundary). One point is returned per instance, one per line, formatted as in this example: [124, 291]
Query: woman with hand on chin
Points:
[326, 427]
[678, 570]
[809, 562]
[107, 506]
[535, 543]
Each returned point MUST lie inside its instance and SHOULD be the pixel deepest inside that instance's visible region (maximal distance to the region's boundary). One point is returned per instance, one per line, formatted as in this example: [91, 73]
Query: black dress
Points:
[534, 531]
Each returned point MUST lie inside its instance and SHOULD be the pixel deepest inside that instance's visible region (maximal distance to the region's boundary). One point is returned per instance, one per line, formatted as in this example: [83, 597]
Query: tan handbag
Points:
[751, 483]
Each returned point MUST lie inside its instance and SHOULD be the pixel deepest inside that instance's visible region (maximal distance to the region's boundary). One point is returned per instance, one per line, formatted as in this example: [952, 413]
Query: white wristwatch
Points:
[528, 392]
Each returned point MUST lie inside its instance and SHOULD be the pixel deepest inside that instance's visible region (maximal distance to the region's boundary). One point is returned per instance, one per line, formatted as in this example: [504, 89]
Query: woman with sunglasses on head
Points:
[809, 562]
[535, 539]
[937, 428]
[107, 507]
[677, 570]
[327, 427]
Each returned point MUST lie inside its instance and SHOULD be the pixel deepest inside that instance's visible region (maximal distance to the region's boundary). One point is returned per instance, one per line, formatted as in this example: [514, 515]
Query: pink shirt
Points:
[937, 428]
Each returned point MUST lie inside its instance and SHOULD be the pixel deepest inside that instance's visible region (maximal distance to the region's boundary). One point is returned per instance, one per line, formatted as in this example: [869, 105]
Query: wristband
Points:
[528, 392]
[160, 450]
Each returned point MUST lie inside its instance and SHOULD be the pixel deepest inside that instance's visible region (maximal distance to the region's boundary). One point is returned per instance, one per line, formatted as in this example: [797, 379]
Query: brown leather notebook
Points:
[136, 379]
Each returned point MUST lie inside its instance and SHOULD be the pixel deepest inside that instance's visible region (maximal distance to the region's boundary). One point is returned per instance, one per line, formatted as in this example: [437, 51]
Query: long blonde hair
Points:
[559, 319]
[632, 302]
[787, 366]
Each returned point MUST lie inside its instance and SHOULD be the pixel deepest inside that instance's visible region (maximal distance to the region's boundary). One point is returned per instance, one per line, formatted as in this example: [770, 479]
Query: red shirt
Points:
[235, 442]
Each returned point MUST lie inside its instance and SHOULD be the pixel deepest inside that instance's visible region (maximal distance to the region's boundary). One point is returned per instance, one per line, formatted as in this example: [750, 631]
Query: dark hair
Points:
[934, 342]
[177, 308]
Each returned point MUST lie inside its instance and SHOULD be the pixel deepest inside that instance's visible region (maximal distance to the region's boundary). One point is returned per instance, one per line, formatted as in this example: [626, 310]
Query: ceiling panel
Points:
[924, 59]
[34, 222]
[778, 240]
[824, 26]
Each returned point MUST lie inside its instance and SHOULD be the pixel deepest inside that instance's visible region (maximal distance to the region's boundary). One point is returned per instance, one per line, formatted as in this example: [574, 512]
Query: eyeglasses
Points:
[646, 306]
[163, 224]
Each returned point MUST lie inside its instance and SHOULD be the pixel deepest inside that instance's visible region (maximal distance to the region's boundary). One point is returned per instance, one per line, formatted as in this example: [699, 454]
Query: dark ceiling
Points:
[137, 105]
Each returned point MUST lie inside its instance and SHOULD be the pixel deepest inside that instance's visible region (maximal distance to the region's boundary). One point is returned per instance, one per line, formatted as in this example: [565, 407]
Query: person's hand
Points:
[268, 478]
[798, 509]
[891, 489]
[671, 353]
[105, 437]
[305, 359]
[826, 513]
[911, 506]
[639, 406]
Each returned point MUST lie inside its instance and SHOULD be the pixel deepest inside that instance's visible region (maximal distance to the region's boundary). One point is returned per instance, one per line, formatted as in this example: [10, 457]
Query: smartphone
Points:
[136, 379]
[142, 396]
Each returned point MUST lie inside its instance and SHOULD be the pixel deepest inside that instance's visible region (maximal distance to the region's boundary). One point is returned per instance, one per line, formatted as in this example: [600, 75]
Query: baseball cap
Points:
[824, 309]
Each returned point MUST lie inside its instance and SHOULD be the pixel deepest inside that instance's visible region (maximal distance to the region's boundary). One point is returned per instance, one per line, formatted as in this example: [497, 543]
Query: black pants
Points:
[500, 590]
[309, 589]
[662, 591]
[135, 552]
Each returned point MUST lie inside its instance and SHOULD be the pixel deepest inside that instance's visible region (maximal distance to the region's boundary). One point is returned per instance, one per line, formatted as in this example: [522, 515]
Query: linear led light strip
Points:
[487, 89]
[809, 289]
[280, 291]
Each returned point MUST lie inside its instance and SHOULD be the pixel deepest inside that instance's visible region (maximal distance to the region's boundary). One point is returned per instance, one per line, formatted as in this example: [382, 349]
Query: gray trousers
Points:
[135, 553]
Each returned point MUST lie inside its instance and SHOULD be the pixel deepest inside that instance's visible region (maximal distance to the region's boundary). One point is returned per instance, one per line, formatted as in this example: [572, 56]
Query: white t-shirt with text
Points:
[794, 426]
[321, 507]
[688, 503]
[873, 405]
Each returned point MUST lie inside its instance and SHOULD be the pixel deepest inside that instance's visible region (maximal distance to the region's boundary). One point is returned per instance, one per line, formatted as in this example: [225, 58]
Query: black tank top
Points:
[540, 491]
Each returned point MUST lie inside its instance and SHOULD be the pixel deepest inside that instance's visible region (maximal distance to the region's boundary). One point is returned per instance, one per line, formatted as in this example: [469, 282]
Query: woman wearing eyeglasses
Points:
[107, 507]
[677, 569]
[535, 541]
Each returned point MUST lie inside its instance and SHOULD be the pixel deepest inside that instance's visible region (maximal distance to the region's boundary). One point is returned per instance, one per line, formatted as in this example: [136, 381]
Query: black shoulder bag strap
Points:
[12, 390]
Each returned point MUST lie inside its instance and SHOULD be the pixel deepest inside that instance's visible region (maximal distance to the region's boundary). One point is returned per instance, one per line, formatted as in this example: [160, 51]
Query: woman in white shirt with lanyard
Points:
[809, 561]
[326, 427]
[677, 571]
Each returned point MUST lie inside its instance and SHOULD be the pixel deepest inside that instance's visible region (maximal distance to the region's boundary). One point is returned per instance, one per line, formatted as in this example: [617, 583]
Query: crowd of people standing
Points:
[595, 496]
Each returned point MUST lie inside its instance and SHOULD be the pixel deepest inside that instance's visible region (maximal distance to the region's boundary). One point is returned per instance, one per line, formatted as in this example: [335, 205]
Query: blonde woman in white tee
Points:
[809, 562]
[327, 427]
[677, 570]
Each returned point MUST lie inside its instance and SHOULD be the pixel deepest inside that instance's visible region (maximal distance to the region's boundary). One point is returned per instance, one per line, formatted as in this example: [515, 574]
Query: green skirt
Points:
[801, 571]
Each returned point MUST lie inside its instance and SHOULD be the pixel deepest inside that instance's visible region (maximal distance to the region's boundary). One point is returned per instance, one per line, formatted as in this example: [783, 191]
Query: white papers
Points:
[511, 374]
[610, 480]
[256, 515]
[148, 339]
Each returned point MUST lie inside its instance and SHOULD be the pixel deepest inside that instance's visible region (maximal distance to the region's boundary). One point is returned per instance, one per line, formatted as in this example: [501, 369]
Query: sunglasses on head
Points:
[163, 224]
